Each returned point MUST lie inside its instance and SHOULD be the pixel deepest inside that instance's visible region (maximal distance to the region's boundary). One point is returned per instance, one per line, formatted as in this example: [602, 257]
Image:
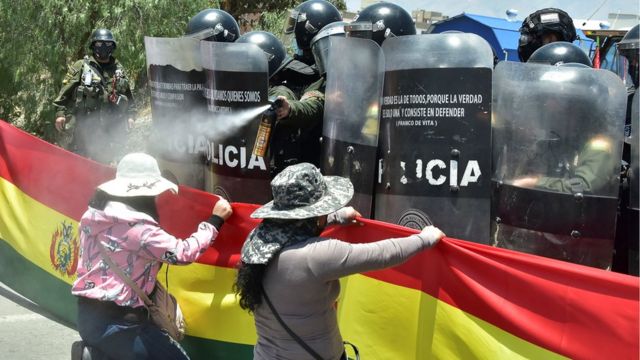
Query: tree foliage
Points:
[40, 39]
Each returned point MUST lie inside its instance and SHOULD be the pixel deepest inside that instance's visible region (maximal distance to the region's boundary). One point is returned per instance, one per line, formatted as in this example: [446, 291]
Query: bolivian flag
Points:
[459, 300]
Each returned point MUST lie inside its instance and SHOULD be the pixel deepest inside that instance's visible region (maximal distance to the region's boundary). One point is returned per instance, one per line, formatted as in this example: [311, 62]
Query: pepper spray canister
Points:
[267, 122]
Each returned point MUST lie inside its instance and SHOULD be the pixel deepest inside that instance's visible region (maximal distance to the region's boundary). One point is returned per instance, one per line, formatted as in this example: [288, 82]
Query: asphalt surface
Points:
[29, 332]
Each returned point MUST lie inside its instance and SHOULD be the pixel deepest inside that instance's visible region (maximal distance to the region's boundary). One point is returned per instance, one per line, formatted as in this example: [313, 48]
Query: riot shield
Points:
[557, 146]
[236, 93]
[435, 134]
[631, 215]
[176, 80]
[634, 166]
[350, 127]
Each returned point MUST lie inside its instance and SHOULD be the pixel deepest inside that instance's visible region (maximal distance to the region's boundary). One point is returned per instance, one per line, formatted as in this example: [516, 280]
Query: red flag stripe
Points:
[55, 177]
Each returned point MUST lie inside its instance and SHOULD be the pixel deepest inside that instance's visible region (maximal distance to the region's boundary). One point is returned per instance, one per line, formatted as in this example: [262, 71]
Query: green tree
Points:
[40, 39]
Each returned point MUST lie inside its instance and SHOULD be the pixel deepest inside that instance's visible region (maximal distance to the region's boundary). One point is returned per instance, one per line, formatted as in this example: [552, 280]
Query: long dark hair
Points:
[249, 285]
[144, 204]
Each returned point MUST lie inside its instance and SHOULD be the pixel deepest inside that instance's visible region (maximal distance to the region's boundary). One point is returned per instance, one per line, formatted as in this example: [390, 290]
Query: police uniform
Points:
[296, 138]
[95, 102]
[297, 76]
[589, 173]
[586, 173]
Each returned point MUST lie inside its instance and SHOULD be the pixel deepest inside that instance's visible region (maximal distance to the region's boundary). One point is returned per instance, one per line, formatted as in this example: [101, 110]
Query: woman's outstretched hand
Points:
[222, 208]
[431, 235]
[346, 215]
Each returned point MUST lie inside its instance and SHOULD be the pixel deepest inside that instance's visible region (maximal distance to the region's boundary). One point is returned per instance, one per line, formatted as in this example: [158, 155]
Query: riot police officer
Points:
[305, 21]
[298, 119]
[93, 105]
[542, 27]
[585, 175]
[568, 165]
[213, 25]
[381, 20]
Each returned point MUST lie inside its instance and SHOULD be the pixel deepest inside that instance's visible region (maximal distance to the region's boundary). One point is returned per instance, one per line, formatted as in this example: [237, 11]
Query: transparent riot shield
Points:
[634, 166]
[236, 93]
[350, 127]
[176, 81]
[435, 134]
[557, 142]
[631, 215]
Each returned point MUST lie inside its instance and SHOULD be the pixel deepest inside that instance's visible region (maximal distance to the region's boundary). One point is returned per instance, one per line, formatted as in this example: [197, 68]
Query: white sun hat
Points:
[138, 174]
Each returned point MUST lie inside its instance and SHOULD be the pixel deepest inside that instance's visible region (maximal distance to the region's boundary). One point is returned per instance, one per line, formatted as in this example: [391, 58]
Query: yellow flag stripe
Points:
[28, 226]
[385, 321]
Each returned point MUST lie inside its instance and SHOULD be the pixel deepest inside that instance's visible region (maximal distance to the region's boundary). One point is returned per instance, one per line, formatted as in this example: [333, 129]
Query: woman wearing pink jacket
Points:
[122, 217]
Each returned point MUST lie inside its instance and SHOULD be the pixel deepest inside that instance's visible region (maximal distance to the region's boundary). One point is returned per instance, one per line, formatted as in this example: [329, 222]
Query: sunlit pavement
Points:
[29, 333]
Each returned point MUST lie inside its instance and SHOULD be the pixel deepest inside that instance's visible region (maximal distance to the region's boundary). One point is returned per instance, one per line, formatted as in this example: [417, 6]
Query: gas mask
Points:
[103, 50]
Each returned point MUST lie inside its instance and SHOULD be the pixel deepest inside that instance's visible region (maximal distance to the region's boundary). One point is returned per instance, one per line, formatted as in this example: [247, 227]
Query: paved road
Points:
[28, 332]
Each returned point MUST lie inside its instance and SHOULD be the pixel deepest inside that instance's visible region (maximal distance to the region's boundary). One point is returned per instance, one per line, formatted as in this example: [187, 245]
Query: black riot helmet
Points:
[629, 47]
[308, 18]
[272, 47]
[381, 20]
[544, 26]
[320, 43]
[213, 25]
[558, 53]
[102, 43]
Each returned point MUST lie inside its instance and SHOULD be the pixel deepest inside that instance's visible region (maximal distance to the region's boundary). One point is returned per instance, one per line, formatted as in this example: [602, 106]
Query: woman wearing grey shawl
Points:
[288, 271]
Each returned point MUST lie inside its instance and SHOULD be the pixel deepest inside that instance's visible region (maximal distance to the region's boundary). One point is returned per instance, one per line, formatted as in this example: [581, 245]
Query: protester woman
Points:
[123, 219]
[288, 275]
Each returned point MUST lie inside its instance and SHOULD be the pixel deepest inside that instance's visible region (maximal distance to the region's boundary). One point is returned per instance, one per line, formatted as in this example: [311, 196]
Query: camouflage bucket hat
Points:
[300, 192]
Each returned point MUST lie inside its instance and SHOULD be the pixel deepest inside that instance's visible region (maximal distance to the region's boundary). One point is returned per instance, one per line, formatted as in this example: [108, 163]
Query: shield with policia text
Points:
[236, 93]
[350, 130]
[178, 105]
[557, 142]
[435, 135]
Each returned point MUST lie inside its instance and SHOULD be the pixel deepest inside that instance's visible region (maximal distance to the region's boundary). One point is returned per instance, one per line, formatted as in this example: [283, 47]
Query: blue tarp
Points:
[501, 34]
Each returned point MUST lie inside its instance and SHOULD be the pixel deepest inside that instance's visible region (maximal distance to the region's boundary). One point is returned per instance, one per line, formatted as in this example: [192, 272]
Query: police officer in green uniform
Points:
[302, 120]
[571, 176]
[296, 134]
[93, 105]
[568, 157]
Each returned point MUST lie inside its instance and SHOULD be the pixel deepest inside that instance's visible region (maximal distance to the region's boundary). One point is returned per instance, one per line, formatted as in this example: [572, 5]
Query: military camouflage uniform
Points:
[296, 138]
[95, 112]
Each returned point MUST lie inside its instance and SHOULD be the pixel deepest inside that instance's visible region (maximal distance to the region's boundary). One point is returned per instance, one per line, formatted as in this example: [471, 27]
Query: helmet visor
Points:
[203, 34]
[320, 51]
[359, 29]
[291, 21]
